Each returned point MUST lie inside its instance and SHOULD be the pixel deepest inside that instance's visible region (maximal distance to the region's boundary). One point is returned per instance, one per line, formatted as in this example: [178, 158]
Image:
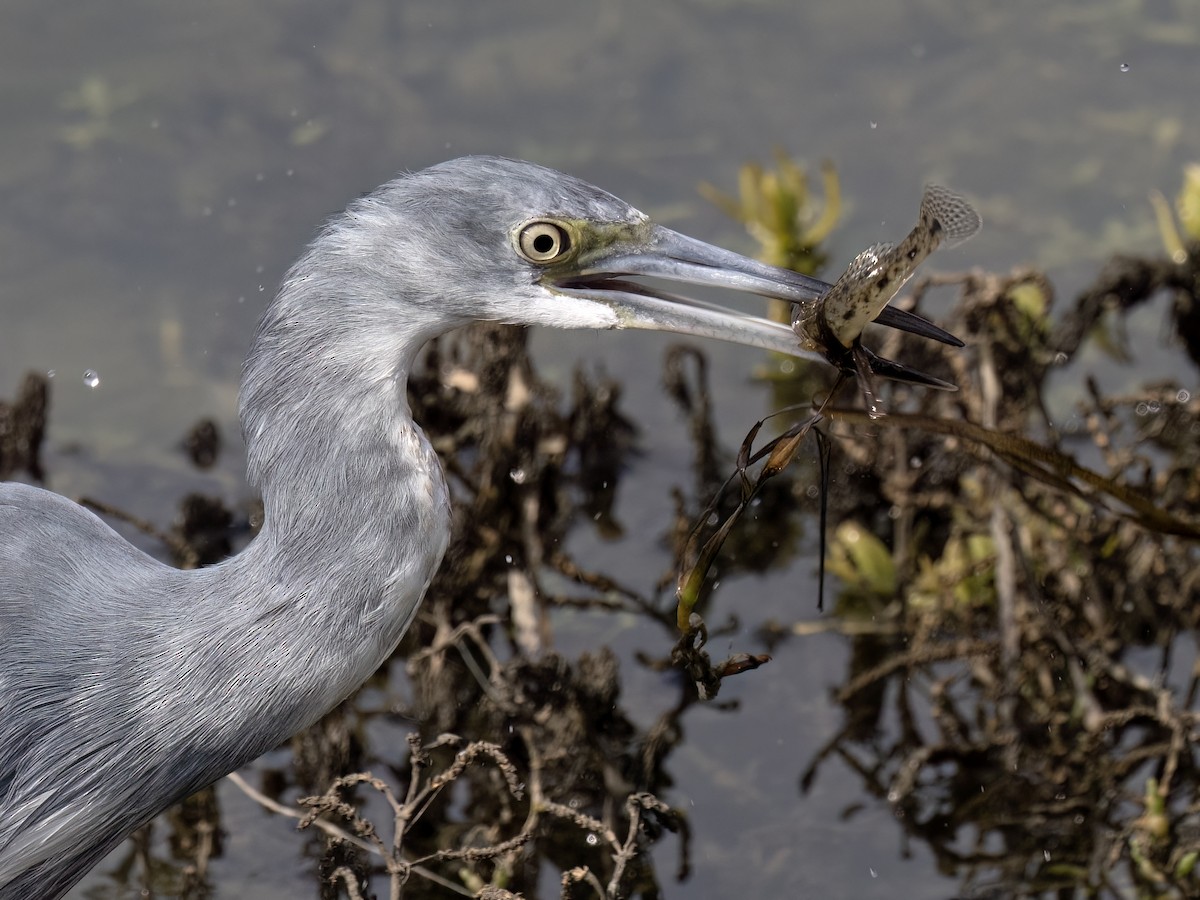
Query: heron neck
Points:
[356, 510]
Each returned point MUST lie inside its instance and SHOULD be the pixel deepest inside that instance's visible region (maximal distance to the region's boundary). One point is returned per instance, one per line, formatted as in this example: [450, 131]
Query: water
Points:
[160, 172]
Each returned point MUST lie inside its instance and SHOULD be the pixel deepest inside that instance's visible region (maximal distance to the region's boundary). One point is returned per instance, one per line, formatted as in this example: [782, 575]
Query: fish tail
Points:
[950, 215]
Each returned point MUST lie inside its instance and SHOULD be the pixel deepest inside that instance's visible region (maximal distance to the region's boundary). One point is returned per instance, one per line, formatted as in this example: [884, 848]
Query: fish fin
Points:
[894, 371]
[902, 320]
[865, 264]
[866, 379]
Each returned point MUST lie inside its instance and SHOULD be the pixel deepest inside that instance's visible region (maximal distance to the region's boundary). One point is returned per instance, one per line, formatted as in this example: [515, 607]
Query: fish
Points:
[834, 324]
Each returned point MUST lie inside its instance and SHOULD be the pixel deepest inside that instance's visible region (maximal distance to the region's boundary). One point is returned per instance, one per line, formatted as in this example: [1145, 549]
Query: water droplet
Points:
[91, 378]
[51, 373]
[874, 125]
[1141, 409]
[517, 475]
[1046, 855]
[1183, 396]
[1154, 406]
[915, 462]
[1124, 68]
[874, 874]
[787, 367]
[593, 840]
[1060, 359]
[812, 492]
[508, 558]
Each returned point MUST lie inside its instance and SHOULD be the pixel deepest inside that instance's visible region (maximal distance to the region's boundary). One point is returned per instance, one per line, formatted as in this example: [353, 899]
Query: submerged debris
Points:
[22, 428]
[1017, 612]
[203, 443]
[1018, 590]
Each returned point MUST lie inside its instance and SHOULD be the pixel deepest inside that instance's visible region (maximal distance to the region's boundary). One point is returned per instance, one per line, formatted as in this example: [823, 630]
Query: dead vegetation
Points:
[1019, 592]
[1019, 613]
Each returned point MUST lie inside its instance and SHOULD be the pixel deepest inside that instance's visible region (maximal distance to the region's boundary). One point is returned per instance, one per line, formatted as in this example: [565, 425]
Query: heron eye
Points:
[543, 242]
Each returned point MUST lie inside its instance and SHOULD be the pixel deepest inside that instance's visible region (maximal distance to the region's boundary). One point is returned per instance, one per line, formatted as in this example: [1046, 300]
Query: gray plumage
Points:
[125, 684]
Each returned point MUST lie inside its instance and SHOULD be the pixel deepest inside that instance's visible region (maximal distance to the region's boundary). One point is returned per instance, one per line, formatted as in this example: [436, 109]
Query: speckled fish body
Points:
[877, 274]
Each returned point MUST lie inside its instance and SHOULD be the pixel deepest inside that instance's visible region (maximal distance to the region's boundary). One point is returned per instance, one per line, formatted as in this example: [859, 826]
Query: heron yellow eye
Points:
[543, 241]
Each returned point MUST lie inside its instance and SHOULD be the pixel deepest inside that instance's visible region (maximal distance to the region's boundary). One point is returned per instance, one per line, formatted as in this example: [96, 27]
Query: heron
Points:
[127, 685]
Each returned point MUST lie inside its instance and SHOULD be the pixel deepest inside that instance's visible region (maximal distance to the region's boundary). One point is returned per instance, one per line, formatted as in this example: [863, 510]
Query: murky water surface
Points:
[161, 166]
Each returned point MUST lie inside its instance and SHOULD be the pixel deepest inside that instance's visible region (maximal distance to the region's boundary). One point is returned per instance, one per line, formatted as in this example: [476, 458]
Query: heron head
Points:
[503, 240]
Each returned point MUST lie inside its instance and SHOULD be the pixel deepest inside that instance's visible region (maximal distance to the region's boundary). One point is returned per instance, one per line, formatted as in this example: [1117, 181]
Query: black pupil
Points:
[544, 243]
